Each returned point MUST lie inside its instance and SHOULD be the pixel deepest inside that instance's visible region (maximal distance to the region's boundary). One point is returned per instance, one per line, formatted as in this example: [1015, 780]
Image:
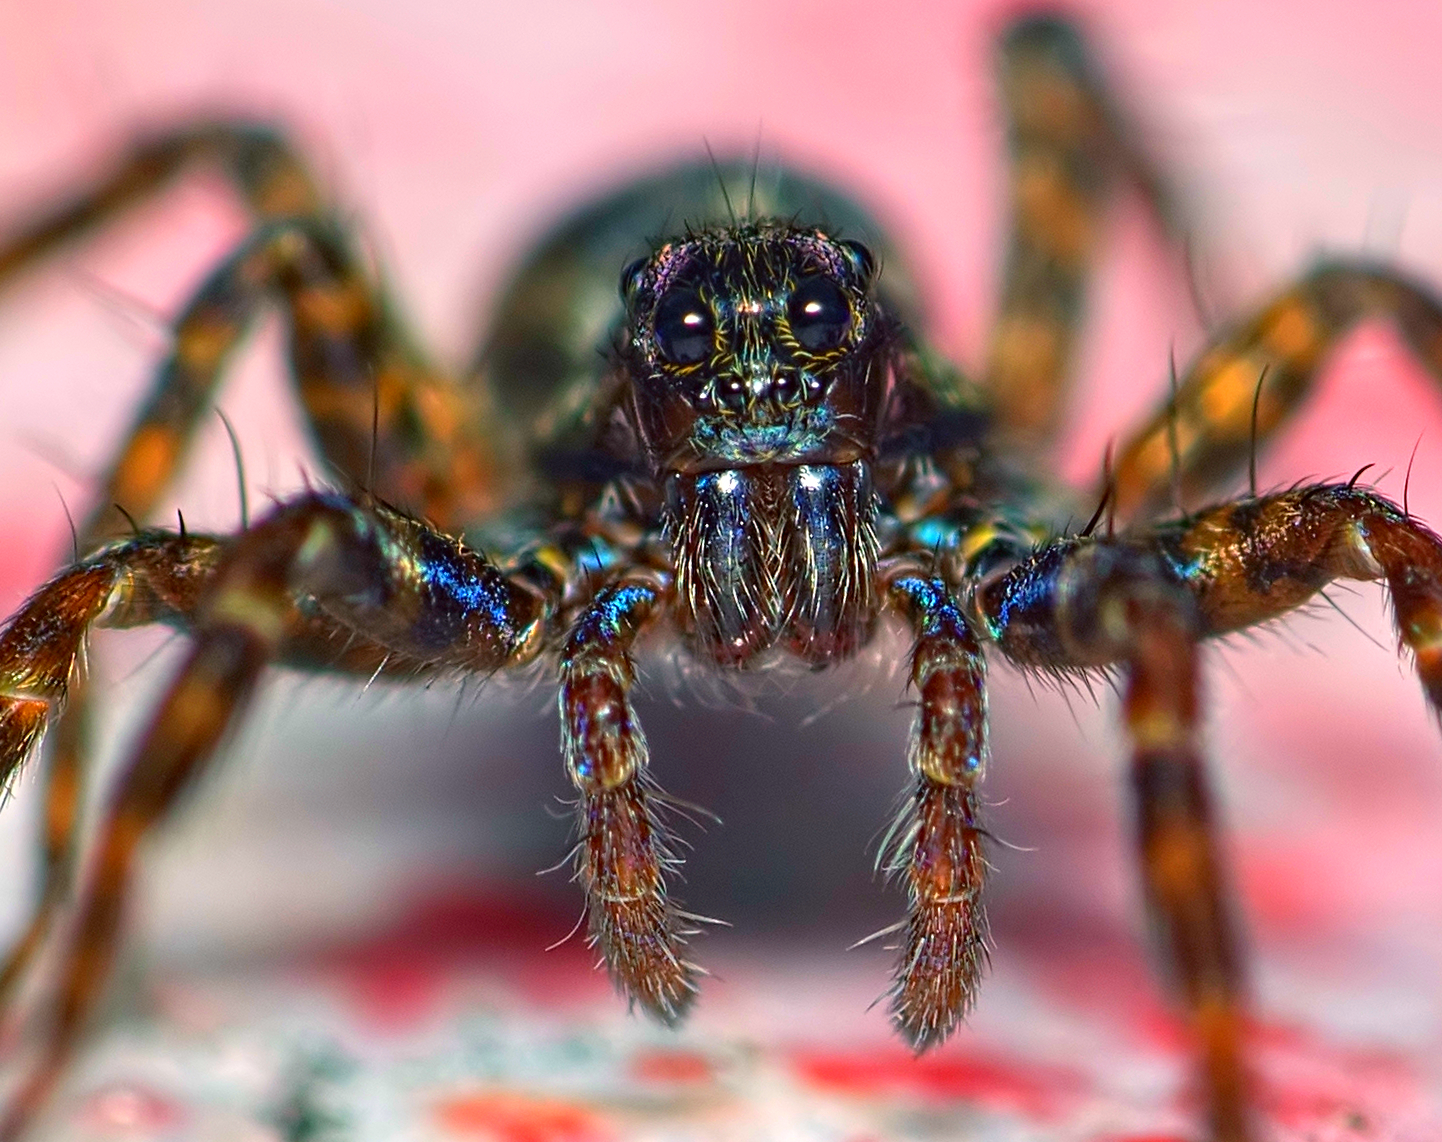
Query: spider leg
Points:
[1251, 560]
[1203, 438]
[1080, 604]
[152, 578]
[155, 577]
[1068, 144]
[621, 855]
[62, 785]
[936, 842]
[256, 159]
[386, 422]
[313, 642]
[398, 583]
[1144, 600]
[342, 345]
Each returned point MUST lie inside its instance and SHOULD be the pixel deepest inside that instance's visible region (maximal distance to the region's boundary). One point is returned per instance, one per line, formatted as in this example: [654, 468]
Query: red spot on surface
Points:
[394, 996]
[130, 1110]
[1108, 980]
[459, 924]
[1032, 1089]
[672, 1067]
[395, 978]
[1310, 1082]
[1292, 888]
[1166, 1030]
[1144, 1138]
[502, 1117]
[1298, 1108]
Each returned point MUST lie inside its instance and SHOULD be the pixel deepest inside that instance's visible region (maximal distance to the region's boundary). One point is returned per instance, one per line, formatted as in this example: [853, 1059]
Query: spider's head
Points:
[758, 344]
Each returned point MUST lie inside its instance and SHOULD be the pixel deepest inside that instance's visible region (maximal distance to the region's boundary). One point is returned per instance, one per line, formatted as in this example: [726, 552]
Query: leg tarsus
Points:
[622, 863]
[945, 949]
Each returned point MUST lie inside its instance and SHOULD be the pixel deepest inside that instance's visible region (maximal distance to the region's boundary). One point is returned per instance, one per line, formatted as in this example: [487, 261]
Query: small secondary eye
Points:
[819, 314]
[684, 328]
[862, 259]
[631, 277]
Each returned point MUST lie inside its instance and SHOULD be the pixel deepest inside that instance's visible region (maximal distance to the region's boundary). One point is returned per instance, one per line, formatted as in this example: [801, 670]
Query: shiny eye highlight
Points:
[684, 328]
[818, 314]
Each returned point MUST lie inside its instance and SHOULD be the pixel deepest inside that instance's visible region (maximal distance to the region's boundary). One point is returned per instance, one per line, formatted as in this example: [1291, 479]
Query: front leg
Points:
[621, 855]
[1079, 604]
[399, 585]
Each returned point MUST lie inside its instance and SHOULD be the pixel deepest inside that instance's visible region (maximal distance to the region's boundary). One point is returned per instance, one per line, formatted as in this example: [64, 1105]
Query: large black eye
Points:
[683, 327]
[818, 314]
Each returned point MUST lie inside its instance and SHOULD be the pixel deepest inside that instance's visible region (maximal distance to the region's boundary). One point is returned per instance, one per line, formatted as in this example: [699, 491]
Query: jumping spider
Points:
[768, 462]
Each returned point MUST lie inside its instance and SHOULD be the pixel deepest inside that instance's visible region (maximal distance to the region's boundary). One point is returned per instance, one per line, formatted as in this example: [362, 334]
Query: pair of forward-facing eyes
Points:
[818, 319]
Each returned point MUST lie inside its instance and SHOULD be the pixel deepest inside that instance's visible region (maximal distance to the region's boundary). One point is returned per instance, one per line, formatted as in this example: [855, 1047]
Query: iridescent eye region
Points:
[755, 344]
[819, 316]
[684, 329]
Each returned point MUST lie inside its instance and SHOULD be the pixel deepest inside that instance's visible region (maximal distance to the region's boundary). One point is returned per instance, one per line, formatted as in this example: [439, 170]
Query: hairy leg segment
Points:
[1142, 601]
[391, 581]
[1069, 147]
[1244, 388]
[385, 419]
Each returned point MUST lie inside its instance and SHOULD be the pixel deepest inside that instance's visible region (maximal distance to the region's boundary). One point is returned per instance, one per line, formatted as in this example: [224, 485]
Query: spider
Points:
[768, 463]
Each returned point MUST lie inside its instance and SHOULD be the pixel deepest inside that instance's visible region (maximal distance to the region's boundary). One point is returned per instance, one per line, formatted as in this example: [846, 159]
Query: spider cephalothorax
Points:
[765, 460]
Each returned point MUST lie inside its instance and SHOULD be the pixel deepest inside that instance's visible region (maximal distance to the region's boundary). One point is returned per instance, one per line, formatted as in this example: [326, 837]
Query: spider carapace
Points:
[766, 461]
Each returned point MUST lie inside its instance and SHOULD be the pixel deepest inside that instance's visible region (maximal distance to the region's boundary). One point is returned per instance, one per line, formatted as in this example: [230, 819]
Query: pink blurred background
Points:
[454, 132]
